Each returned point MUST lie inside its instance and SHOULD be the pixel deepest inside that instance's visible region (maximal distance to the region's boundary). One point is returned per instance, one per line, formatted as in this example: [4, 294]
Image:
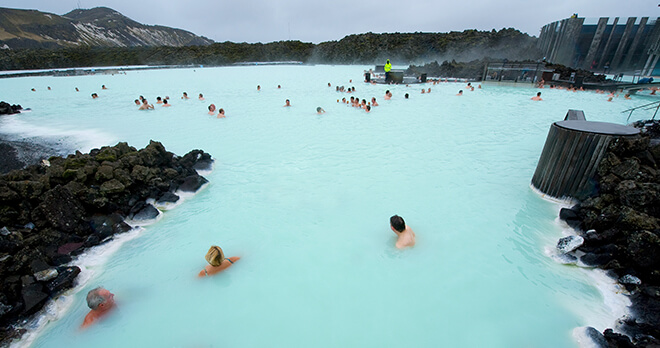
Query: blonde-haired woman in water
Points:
[217, 262]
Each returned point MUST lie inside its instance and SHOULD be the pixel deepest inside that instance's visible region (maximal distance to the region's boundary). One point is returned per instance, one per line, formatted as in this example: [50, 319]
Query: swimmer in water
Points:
[33, 90]
[368, 108]
[423, 91]
[221, 113]
[406, 236]
[185, 96]
[201, 97]
[145, 105]
[94, 95]
[49, 88]
[165, 103]
[406, 96]
[159, 100]
[429, 91]
[373, 101]
[320, 110]
[101, 302]
[137, 102]
[103, 87]
[538, 96]
[217, 262]
[258, 88]
[387, 95]
[460, 93]
[212, 109]
[287, 103]
[77, 90]
[278, 86]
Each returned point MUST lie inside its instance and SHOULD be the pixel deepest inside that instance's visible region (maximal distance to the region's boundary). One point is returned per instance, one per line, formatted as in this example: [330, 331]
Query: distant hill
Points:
[97, 27]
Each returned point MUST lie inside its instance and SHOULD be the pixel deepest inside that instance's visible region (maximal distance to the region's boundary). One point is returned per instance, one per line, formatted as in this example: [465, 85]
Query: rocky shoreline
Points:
[53, 211]
[619, 231]
[7, 109]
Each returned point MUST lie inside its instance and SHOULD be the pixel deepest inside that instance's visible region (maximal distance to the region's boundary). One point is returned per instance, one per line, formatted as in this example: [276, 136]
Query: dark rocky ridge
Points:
[100, 26]
[7, 109]
[51, 213]
[620, 226]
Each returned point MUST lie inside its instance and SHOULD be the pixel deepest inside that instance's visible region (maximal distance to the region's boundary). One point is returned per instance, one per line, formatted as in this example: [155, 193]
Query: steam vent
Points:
[571, 155]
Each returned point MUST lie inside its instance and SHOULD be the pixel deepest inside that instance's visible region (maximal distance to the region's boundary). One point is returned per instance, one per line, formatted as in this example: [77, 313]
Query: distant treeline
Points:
[369, 48]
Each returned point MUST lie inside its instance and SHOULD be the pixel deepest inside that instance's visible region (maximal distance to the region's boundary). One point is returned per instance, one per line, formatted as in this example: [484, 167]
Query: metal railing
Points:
[648, 106]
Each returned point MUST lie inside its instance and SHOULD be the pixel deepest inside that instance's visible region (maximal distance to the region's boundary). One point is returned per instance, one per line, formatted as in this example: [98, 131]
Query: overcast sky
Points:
[317, 21]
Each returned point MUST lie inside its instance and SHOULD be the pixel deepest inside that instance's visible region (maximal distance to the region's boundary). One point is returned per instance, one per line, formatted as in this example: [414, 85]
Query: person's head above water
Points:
[215, 256]
[100, 298]
[397, 223]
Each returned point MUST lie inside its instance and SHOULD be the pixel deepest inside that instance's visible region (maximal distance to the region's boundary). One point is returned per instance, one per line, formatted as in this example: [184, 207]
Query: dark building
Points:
[616, 45]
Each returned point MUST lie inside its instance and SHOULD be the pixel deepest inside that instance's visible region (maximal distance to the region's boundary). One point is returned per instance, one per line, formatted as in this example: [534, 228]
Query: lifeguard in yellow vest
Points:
[387, 68]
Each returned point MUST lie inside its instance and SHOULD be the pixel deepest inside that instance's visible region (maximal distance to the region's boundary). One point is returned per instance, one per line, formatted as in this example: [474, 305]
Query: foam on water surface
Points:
[90, 263]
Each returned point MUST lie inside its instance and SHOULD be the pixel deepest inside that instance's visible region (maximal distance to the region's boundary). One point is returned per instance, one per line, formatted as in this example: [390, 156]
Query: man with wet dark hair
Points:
[405, 233]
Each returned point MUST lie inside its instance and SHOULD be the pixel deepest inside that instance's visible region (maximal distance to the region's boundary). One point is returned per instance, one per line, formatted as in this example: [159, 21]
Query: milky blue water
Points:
[305, 201]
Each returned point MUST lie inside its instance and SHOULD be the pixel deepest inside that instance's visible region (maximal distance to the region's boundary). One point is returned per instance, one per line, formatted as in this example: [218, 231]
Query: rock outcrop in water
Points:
[620, 226]
[7, 109]
[50, 213]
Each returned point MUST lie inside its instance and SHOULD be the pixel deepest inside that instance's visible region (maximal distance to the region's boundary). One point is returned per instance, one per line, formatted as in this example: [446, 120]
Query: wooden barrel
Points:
[571, 155]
